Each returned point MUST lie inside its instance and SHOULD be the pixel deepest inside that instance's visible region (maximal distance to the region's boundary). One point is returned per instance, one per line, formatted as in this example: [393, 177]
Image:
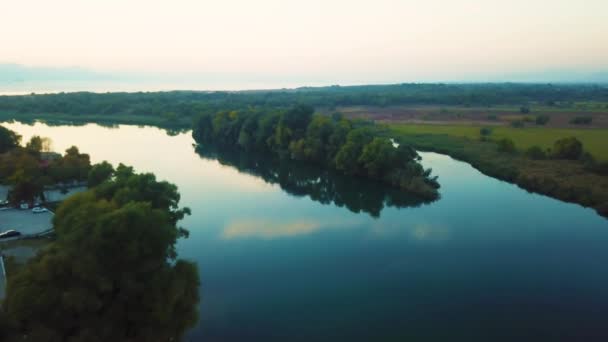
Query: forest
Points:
[178, 108]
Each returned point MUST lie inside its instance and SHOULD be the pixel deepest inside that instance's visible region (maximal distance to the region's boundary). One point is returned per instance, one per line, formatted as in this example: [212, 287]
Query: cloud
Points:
[273, 229]
[429, 232]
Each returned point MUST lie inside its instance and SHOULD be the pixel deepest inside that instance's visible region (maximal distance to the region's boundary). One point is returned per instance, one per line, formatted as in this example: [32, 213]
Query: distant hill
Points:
[554, 76]
[16, 78]
[15, 73]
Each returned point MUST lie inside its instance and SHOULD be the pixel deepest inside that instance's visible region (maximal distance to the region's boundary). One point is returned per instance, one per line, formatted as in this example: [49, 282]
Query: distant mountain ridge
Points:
[10, 73]
[20, 78]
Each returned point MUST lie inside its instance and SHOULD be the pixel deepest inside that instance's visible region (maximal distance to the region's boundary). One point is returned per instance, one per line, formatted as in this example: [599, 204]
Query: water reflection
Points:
[268, 229]
[324, 186]
[170, 130]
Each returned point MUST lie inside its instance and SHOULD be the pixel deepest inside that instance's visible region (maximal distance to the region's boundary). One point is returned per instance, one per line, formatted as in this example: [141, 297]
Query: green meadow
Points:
[595, 141]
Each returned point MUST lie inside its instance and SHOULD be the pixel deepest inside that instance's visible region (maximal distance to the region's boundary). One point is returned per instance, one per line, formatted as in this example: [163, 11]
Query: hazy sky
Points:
[333, 40]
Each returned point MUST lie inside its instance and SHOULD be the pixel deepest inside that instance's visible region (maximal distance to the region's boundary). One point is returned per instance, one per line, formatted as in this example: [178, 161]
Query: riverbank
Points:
[565, 180]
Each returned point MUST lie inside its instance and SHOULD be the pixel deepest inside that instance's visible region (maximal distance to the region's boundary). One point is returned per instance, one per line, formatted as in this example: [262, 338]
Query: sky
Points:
[329, 41]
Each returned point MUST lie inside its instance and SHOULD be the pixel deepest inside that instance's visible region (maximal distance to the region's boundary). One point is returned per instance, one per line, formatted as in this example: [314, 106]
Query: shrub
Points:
[485, 131]
[567, 148]
[528, 119]
[524, 109]
[581, 120]
[599, 167]
[542, 119]
[517, 124]
[506, 145]
[603, 209]
[536, 153]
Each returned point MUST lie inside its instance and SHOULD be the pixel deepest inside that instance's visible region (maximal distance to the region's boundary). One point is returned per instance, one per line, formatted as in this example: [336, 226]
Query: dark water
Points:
[290, 253]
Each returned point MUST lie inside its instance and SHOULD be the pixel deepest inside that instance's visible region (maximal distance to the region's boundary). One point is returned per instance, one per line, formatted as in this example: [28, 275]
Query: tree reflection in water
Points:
[324, 186]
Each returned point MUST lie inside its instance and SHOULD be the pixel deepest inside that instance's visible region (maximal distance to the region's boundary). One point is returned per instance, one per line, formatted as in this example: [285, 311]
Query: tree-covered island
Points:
[351, 147]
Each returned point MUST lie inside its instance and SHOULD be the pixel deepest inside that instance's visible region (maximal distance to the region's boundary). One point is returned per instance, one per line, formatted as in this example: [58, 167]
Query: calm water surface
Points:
[290, 259]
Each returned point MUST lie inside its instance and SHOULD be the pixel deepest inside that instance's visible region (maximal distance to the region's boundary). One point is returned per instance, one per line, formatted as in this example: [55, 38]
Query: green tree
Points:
[246, 138]
[72, 166]
[38, 144]
[518, 124]
[378, 157]
[567, 148]
[506, 145]
[99, 173]
[25, 187]
[297, 119]
[337, 138]
[313, 147]
[112, 274]
[542, 119]
[536, 153]
[485, 132]
[26, 177]
[264, 136]
[347, 158]
[581, 120]
[203, 128]
[8, 139]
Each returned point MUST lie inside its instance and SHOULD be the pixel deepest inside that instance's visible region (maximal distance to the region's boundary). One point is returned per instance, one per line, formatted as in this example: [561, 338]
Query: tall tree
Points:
[8, 139]
[113, 272]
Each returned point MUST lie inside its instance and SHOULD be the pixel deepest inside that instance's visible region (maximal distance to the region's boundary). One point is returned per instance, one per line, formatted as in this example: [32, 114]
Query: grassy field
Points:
[595, 141]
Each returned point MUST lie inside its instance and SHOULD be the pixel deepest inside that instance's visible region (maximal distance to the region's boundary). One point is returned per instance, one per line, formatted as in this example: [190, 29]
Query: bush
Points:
[524, 109]
[581, 120]
[506, 145]
[536, 153]
[542, 119]
[567, 148]
[599, 167]
[602, 209]
[517, 124]
[485, 131]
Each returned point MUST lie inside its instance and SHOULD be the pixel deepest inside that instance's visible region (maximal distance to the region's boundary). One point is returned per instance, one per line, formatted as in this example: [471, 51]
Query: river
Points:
[290, 254]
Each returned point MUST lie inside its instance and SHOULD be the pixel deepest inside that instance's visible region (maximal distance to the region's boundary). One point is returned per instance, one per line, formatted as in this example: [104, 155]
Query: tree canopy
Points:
[112, 274]
[99, 173]
[8, 139]
[170, 107]
[351, 147]
[28, 170]
[567, 148]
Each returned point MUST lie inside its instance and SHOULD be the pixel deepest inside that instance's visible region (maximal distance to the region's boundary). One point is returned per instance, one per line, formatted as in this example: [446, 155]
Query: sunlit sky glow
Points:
[333, 41]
